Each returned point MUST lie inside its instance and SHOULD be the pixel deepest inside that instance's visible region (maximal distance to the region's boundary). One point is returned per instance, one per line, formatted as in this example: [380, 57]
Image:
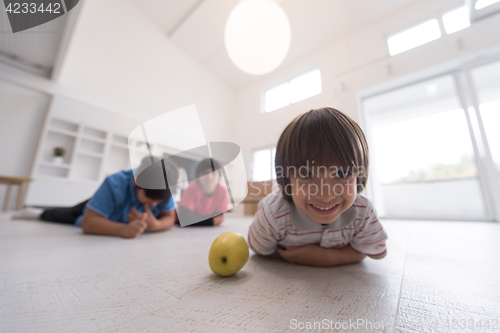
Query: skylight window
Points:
[296, 89]
[305, 86]
[456, 20]
[413, 37]
[277, 97]
[480, 4]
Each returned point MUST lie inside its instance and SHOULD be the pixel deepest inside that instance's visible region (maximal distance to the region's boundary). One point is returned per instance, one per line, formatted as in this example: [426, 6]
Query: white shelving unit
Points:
[96, 142]
[96, 145]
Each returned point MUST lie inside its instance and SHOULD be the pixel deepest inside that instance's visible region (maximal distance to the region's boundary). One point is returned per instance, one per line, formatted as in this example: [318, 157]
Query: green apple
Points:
[228, 254]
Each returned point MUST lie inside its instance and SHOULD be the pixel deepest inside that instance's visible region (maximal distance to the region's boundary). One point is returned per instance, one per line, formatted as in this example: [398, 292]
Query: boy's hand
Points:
[301, 255]
[151, 221]
[134, 214]
[135, 227]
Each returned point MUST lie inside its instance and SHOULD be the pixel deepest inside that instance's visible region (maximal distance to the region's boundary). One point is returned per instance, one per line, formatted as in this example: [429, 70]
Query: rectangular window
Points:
[277, 97]
[263, 164]
[296, 89]
[305, 86]
[456, 20]
[413, 37]
[480, 4]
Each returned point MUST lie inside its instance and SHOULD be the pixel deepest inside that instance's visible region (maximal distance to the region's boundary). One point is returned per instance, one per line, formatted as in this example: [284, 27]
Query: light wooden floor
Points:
[55, 279]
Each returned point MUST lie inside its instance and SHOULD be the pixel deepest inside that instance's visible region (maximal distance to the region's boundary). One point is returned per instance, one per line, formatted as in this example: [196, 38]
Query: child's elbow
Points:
[361, 257]
[379, 256]
[86, 225]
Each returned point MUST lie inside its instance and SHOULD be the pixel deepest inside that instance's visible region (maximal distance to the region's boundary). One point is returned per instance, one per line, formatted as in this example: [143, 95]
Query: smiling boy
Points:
[317, 217]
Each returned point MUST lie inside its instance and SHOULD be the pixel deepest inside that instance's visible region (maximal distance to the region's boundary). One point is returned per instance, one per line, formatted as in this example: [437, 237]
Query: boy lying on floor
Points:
[118, 208]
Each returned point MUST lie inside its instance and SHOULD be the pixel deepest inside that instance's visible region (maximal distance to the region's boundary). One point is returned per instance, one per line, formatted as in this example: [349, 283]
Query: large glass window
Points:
[487, 84]
[424, 165]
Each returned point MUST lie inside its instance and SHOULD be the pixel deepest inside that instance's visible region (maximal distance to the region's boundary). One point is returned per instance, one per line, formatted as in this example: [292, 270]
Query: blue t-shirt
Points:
[116, 196]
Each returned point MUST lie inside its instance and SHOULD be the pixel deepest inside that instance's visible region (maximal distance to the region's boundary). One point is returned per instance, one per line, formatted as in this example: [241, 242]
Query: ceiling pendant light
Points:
[257, 36]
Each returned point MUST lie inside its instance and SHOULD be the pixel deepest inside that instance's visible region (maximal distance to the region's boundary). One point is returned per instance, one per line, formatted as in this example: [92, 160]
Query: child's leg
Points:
[66, 215]
[28, 213]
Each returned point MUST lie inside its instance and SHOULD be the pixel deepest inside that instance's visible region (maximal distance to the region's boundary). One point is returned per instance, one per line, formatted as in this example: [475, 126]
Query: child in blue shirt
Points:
[120, 208]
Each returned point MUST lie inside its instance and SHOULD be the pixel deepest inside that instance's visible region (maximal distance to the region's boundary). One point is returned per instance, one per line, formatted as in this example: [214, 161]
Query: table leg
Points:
[7, 198]
[20, 196]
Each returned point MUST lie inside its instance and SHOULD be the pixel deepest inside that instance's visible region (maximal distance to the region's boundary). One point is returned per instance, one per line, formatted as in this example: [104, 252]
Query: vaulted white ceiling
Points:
[197, 27]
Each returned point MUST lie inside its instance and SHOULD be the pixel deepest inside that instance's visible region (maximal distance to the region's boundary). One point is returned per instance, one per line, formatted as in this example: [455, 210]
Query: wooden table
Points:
[12, 181]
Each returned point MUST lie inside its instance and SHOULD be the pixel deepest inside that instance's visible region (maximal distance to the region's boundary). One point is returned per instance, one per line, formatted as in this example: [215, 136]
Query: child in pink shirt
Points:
[205, 199]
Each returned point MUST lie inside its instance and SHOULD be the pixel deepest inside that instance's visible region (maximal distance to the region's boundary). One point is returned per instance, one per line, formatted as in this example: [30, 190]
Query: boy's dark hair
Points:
[207, 163]
[326, 136]
[164, 195]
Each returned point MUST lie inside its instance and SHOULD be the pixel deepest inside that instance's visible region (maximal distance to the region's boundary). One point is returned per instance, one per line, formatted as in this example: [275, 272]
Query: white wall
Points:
[22, 112]
[120, 61]
[355, 64]
[117, 60]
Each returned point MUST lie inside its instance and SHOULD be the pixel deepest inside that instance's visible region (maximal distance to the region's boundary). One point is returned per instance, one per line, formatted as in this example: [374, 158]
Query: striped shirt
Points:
[278, 221]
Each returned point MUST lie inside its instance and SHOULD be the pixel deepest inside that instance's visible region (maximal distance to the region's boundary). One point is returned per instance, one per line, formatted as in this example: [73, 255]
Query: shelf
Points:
[52, 171]
[94, 133]
[58, 139]
[55, 165]
[63, 125]
[121, 140]
[90, 153]
[86, 167]
[121, 145]
[91, 138]
[62, 131]
[65, 180]
[92, 149]
[117, 160]
[91, 146]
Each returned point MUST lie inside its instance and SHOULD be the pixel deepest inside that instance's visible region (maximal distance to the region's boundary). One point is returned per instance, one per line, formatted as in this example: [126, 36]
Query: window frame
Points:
[441, 33]
[267, 147]
[287, 80]
[468, 98]
[464, 7]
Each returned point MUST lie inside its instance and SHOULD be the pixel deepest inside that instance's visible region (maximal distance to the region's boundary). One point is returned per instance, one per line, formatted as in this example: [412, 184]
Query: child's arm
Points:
[218, 219]
[94, 223]
[315, 255]
[189, 215]
[164, 221]
[371, 237]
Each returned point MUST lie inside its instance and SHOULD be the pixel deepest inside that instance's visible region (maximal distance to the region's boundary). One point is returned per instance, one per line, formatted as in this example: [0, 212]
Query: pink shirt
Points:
[196, 201]
[278, 221]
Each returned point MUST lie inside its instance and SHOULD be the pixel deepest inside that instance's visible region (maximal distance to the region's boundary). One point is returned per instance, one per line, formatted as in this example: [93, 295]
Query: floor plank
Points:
[55, 279]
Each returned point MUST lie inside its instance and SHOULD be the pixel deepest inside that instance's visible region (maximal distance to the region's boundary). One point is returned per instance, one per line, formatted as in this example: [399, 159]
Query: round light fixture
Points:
[257, 36]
